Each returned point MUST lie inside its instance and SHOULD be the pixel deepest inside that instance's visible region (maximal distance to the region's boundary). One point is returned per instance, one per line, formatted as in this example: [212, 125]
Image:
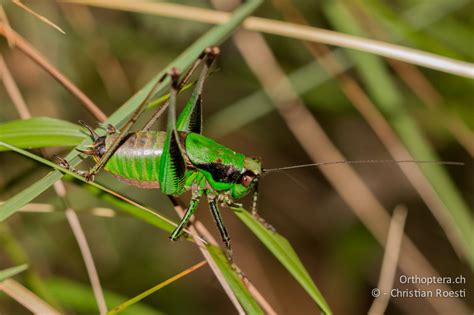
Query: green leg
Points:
[190, 119]
[187, 215]
[208, 54]
[220, 224]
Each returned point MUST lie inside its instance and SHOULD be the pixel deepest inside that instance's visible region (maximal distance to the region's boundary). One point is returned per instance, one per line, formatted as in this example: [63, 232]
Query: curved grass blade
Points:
[41, 132]
[284, 252]
[141, 296]
[234, 281]
[10, 272]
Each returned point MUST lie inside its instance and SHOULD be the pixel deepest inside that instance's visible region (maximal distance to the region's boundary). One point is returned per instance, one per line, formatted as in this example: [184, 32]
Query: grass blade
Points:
[10, 272]
[234, 281]
[284, 252]
[141, 296]
[40, 132]
[27, 298]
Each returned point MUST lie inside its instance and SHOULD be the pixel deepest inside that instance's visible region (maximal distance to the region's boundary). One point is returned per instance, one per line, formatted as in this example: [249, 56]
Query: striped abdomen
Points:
[137, 160]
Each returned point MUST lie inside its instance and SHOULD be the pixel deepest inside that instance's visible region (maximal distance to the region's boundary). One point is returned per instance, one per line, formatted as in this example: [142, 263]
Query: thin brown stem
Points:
[27, 298]
[39, 16]
[390, 260]
[24, 46]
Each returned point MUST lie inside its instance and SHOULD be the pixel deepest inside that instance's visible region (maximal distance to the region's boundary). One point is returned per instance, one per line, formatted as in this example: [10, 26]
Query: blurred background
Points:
[273, 98]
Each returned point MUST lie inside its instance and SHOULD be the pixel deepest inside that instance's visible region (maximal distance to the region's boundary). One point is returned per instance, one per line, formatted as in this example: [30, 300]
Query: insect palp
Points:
[87, 152]
[93, 134]
[62, 162]
[111, 129]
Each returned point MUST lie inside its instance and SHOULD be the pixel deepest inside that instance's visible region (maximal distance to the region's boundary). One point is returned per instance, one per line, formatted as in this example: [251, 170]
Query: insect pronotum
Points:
[181, 158]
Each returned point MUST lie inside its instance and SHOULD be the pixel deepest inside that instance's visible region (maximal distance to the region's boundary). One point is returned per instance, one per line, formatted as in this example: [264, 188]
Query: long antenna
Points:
[360, 162]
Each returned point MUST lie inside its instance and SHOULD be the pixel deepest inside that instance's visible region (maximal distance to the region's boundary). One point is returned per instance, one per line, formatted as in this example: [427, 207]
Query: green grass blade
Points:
[10, 272]
[284, 252]
[214, 36]
[11, 206]
[148, 217]
[40, 132]
[120, 308]
[80, 298]
[234, 280]
[394, 22]
[384, 91]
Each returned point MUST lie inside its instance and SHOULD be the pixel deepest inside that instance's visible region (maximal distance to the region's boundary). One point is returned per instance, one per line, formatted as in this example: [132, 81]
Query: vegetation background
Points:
[334, 225]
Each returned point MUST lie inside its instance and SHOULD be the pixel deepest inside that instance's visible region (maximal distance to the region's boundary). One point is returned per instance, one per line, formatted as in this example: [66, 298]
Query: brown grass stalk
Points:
[198, 228]
[27, 298]
[43, 19]
[25, 47]
[109, 68]
[390, 261]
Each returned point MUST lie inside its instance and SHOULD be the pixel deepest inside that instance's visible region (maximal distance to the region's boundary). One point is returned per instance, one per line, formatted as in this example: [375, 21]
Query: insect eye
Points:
[246, 180]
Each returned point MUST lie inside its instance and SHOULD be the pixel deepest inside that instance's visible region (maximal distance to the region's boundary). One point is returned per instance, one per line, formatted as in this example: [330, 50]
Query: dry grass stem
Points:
[200, 229]
[215, 269]
[302, 32]
[13, 90]
[39, 16]
[47, 208]
[86, 253]
[390, 260]
[4, 20]
[26, 298]
[25, 47]
[108, 67]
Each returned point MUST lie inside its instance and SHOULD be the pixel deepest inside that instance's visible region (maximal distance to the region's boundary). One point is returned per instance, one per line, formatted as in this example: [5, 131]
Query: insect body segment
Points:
[137, 160]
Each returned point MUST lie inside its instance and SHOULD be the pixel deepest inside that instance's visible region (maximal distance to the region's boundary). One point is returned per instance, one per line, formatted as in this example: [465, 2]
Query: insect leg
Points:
[255, 212]
[190, 119]
[197, 193]
[208, 54]
[65, 164]
[172, 165]
[220, 224]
